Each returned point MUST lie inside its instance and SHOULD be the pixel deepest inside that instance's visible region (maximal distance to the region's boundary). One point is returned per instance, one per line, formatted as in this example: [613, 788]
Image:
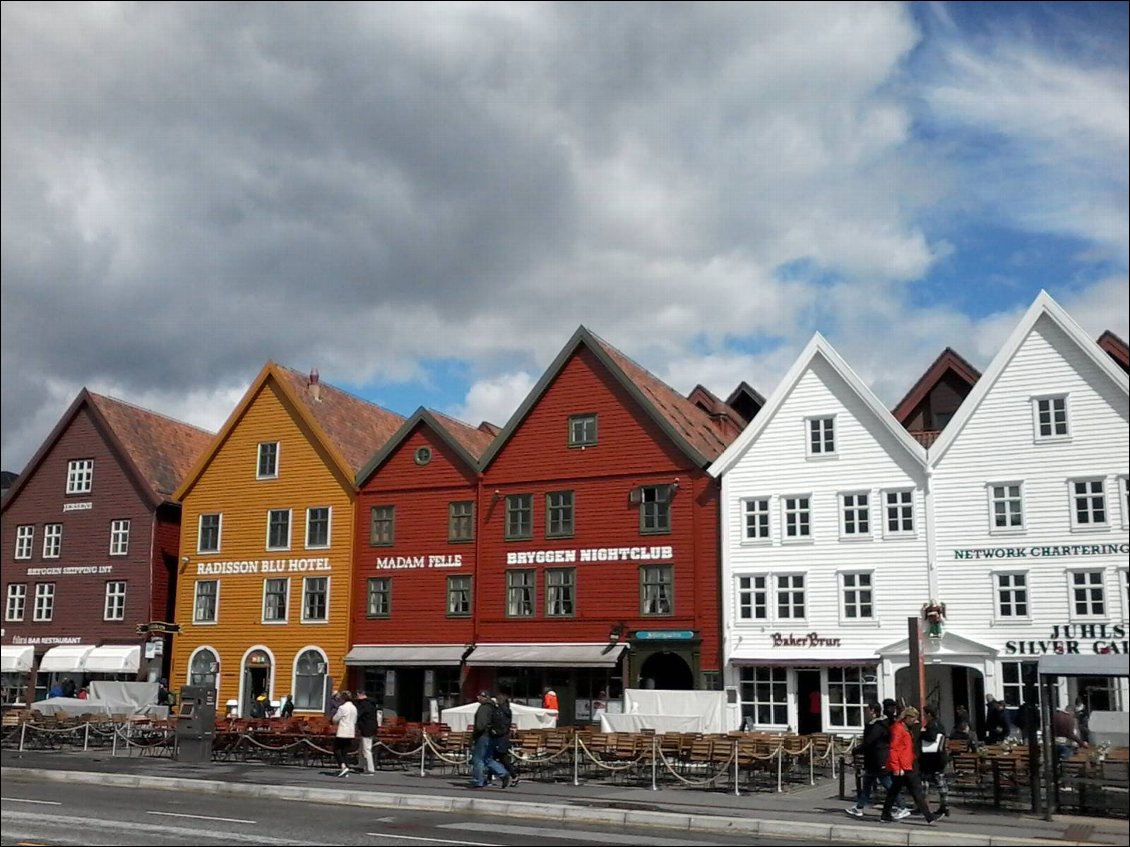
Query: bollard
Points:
[843, 766]
[423, 752]
[654, 763]
[576, 759]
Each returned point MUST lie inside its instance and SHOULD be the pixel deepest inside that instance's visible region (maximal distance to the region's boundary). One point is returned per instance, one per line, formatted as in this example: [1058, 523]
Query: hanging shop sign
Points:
[1074, 639]
[665, 635]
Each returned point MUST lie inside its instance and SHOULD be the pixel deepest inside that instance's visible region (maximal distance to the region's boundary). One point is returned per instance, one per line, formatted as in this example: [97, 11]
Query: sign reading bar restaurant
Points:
[263, 566]
[47, 639]
[1042, 551]
[1067, 638]
[590, 554]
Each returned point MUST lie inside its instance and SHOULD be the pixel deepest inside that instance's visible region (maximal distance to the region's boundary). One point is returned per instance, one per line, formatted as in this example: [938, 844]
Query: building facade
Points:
[415, 554]
[90, 547]
[1031, 516]
[825, 548]
[266, 564]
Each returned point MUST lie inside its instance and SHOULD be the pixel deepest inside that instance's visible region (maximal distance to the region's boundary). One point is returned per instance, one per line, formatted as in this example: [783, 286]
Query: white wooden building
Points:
[824, 553]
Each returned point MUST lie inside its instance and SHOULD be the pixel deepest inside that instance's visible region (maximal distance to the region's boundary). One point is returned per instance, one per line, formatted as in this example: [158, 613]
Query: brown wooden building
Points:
[90, 546]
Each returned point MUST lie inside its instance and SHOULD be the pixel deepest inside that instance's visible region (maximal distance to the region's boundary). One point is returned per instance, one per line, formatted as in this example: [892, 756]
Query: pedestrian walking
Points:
[481, 759]
[876, 747]
[345, 718]
[501, 720]
[903, 766]
[932, 758]
[366, 728]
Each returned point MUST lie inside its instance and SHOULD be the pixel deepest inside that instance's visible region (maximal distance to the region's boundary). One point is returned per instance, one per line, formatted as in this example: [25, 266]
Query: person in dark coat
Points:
[876, 747]
[366, 728]
[481, 759]
[996, 722]
[500, 744]
[932, 758]
[902, 762]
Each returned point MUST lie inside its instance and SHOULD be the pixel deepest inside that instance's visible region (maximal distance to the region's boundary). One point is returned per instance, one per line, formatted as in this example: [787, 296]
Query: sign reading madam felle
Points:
[1067, 638]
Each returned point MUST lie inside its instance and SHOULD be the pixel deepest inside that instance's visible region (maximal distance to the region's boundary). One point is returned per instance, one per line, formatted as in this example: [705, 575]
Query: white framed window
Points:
[1088, 504]
[1088, 594]
[119, 538]
[858, 593]
[855, 515]
[849, 692]
[267, 466]
[821, 434]
[798, 517]
[52, 540]
[755, 519]
[1006, 507]
[753, 597]
[318, 527]
[44, 601]
[1049, 416]
[17, 601]
[209, 533]
[278, 529]
[315, 599]
[276, 599]
[899, 517]
[1124, 501]
[206, 601]
[310, 668]
[765, 696]
[1012, 683]
[80, 476]
[115, 607]
[1012, 595]
[25, 539]
[790, 596]
[204, 668]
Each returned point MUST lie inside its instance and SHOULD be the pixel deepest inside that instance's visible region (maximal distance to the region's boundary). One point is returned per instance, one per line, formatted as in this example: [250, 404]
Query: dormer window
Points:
[268, 460]
[822, 436]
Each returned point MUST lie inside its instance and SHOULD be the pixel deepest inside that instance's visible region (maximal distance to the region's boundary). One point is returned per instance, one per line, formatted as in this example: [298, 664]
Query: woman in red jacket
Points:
[903, 767]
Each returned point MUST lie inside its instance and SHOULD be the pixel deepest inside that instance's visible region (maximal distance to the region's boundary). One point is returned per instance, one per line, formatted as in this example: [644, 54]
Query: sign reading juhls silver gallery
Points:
[1067, 638]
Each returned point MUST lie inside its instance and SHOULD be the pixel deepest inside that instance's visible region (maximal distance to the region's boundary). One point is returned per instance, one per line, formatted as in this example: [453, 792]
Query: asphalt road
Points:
[37, 812]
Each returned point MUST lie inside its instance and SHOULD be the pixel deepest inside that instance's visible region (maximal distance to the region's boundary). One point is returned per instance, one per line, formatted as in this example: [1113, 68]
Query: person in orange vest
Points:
[549, 699]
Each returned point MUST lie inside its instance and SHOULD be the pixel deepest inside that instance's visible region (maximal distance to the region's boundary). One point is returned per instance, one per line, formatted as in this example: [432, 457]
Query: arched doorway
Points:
[948, 687]
[256, 679]
[668, 671]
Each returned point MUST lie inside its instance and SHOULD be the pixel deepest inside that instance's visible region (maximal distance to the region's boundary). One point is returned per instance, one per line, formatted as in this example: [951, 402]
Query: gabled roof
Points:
[745, 394]
[1116, 348]
[154, 450]
[466, 441]
[690, 428]
[1042, 307]
[350, 429]
[948, 362]
[818, 347]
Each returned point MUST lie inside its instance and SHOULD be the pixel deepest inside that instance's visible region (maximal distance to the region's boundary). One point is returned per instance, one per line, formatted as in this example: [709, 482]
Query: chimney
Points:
[313, 387]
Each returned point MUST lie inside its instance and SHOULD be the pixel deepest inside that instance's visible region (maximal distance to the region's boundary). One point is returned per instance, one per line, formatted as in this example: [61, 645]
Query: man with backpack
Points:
[481, 758]
[876, 746]
[501, 720]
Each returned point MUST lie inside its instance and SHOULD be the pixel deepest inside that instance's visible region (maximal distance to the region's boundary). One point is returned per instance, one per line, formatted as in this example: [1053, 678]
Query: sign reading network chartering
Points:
[1042, 551]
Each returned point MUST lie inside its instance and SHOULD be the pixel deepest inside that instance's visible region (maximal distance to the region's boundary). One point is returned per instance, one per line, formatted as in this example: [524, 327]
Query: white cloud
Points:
[495, 399]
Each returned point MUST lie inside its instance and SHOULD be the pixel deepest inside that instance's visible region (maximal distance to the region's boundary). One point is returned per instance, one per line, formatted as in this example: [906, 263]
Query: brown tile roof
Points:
[475, 441]
[164, 450]
[689, 421]
[356, 427]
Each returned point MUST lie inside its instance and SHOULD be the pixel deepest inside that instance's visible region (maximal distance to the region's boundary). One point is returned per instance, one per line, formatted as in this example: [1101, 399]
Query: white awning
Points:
[409, 655]
[597, 655]
[16, 658]
[69, 658]
[114, 659]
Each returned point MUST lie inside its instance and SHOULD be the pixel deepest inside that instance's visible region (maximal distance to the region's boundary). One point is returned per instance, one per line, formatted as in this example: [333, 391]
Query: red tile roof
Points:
[1116, 348]
[356, 427]
[163, 449]
[475, 441]
[949, 360]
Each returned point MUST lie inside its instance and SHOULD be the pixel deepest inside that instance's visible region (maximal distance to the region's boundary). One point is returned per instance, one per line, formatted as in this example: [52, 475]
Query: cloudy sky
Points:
[425, 201]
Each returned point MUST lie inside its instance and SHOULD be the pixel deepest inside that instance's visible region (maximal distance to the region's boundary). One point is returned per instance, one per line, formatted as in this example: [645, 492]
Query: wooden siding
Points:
[80, 597]
[998, 444]
[421, 495]
[631, 451]
[868, 458]
[228, 485]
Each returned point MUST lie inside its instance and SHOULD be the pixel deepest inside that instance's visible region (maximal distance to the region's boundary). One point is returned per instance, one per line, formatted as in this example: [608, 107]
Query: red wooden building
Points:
[597, 548]
[90, 545]
[415, 551]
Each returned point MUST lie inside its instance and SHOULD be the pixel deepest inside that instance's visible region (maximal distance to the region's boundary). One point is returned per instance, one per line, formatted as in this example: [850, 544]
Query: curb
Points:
[697, 823]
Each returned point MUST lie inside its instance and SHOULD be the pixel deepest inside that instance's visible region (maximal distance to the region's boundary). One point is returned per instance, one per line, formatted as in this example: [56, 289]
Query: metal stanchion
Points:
[423, 752]
[114, 747]
[86, 736]
[780, 768]
[576, 759]
[654, 764]
[737, 789]
[811, 768]
[23, 729]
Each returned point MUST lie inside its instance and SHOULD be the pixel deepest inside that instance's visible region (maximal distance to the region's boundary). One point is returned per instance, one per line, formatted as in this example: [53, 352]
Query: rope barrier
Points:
[600, 764]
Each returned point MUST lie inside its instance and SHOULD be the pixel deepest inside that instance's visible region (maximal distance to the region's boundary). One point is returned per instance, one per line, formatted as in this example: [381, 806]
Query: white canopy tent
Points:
[66, 658]
[114, 658]
[16, 658]
[460, 718]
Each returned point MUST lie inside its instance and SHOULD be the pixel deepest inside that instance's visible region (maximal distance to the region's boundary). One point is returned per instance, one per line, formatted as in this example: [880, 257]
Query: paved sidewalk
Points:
[813, 814]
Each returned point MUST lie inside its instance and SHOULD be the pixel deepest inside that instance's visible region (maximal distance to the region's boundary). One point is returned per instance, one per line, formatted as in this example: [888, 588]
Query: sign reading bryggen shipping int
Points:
[1042, 551]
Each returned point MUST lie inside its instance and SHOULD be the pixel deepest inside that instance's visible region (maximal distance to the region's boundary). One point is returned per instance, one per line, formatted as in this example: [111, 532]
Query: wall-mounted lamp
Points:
[184, 559]
[675, 485]
[616, 632]
[497, 494]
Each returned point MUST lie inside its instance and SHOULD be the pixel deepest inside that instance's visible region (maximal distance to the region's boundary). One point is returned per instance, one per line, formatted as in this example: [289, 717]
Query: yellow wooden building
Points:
[263, 592]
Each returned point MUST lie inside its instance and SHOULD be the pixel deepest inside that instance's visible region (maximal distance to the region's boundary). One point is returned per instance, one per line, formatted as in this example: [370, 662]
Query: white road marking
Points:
[200, 817]
[38, 802]
[429, 840]
[536, 832]
[79, 823]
